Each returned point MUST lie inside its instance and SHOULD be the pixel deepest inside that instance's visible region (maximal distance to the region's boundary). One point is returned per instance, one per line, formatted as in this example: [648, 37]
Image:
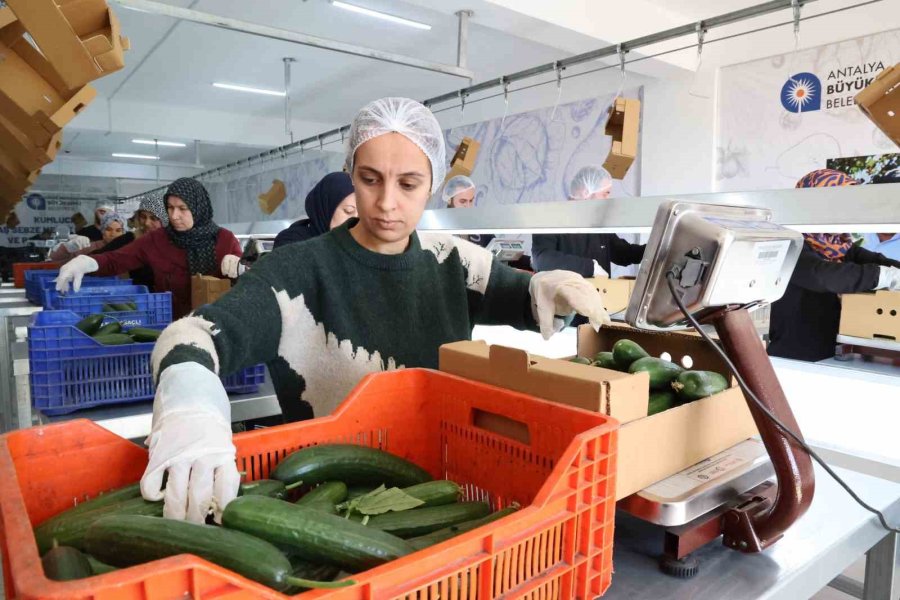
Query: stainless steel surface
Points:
[13, 414]
[746, 256]
[855, 362]
[883, 570]
[257, 228]
[275, 33]
[822, 544]
[880, 344]
[462, 41]
[702, 488]
[852, 208]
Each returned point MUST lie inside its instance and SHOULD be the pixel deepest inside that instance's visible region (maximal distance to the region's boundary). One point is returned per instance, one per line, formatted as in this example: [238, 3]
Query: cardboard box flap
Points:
[612, 393]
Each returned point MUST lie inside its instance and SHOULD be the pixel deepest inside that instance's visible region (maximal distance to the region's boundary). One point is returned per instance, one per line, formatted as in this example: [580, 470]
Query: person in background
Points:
[369, 296]
[114, 233]
[804, 322]
[459, 192]
[150, 215]
[92, 232]
[887, 244]
[192, 244]
[78, 221]
[329, 204]
[588, 254]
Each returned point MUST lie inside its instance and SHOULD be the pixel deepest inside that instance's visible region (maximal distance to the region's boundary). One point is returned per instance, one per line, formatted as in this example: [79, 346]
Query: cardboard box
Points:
[616, 292]
[32, 96]
[23, 151]
[871, 315]
[623, 125]
[272, 199]
[880, 101]
[206, 289]
[463, 162]
[14, 176]
[650, 448]
[81, 38]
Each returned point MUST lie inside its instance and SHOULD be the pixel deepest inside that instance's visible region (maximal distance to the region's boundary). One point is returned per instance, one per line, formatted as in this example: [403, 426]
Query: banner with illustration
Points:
[784, 116]
[37, 214]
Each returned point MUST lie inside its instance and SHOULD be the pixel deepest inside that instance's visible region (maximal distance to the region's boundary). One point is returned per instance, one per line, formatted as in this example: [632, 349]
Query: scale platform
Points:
[703, 488]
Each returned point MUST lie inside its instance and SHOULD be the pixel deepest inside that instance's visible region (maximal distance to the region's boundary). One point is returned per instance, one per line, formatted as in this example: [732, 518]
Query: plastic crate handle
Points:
[501, 425]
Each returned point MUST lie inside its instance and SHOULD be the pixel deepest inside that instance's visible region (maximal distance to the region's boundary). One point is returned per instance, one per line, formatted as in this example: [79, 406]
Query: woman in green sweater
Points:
[368, 296]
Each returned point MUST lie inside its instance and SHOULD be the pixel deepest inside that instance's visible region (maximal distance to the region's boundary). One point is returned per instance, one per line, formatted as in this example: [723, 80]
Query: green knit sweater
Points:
[326, 312]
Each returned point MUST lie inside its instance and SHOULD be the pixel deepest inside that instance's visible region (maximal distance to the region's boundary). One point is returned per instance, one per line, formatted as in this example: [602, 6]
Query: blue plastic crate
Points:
[36, 281]
[153, 309]
[71, 371]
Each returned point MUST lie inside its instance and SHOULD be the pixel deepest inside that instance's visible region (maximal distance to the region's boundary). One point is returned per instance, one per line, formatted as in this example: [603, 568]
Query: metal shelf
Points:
[879, 344]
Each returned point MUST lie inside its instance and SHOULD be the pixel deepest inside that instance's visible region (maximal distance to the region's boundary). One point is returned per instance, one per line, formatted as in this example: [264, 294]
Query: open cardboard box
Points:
[33, 98]
[623, 125]
[463, 162]
[23, 151]
[880, 101]
[649, 448]
[81, 38]
[872, 315]
[616, 292]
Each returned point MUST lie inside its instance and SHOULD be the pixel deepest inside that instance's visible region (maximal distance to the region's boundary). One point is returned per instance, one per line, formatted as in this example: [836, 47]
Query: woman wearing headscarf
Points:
[804, 322]
[114, 236]
[329, 204]
[150, 215]
[92, 232]
[369, 296]
[192, 244]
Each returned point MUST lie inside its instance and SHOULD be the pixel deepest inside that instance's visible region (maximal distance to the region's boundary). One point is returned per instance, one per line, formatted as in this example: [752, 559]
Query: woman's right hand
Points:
[73, 272]
[191, 440]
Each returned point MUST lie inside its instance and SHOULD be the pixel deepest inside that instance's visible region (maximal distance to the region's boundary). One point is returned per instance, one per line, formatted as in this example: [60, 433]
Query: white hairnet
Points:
[410, 119]
[589, 181]
[457, 185]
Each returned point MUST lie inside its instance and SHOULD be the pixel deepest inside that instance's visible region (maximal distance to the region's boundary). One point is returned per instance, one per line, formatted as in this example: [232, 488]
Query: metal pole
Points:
[287, 97]
[462, 45]
[197, 153]
[157, 8]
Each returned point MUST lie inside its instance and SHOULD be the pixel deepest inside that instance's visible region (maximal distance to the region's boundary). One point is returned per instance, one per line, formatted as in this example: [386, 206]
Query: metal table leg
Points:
[883, 570]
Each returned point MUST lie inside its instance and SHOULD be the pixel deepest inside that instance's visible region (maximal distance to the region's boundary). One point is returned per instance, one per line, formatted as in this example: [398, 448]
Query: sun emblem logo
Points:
[802, 93]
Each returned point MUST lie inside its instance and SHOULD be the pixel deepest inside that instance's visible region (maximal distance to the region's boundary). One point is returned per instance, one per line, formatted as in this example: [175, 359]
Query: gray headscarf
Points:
[155, 205]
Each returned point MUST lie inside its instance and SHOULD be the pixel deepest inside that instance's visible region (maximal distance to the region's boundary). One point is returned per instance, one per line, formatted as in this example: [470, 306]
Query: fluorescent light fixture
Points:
[379, 15]
[244, 88]
[140, 156]
[156, 143]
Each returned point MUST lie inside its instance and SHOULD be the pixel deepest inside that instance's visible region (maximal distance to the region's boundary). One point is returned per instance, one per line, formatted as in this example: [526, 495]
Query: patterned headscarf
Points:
[200, 240]
[153, 203]
[113, 217]
[830, 246]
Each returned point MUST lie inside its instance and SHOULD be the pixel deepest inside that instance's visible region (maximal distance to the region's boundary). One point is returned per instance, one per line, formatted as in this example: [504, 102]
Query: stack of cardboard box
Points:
[43, 80]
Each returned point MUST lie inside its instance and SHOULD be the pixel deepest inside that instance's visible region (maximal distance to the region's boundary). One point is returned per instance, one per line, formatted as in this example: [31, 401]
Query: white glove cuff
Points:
[599, 271]
[90, 265]
[884, 278]
[191, 388]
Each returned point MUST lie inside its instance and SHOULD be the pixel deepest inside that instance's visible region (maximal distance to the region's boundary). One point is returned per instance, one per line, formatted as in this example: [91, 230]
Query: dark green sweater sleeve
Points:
[506, 301]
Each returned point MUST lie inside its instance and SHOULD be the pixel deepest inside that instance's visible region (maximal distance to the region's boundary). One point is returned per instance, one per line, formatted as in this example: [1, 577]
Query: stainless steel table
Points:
[833, 534]
[15, 312]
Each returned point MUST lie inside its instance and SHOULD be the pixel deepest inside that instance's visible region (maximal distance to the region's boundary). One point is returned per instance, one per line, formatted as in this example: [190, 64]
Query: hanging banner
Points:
[781, 117]
[38, 214]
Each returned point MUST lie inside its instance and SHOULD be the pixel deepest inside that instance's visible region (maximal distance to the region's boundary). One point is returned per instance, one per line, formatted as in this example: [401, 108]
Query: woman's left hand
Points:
[232, 267]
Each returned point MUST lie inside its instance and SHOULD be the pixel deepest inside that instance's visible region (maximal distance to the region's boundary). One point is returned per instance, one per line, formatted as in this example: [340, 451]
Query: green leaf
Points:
[383, 500]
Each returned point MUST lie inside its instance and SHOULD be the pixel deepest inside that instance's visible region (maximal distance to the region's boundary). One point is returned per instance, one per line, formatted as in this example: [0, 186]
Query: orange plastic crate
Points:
[559, 545]
[20, 268]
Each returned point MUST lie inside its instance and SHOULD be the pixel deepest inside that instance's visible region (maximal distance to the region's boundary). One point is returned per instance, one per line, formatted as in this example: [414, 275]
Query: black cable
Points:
[670, 278]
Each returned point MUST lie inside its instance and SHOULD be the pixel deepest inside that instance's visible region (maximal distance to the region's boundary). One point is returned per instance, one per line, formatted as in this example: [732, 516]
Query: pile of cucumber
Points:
[670, 385]
[112, 334]
[328, 512]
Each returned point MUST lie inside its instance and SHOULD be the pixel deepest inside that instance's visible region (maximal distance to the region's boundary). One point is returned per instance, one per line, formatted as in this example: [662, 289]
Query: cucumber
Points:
[108, 308]
[123, 306]
[419, 521]
[100, 568]
[356, 491]
[265, 487]
[109, 328]
[605, 360]
[694, 385]
[442, 535]
[142, 334]
[580, 360]
[66, 564]
[70, 530]
[313, 535]
[103, 499]
[660, 401]
[330, 492]
[348, 463]
[90, 324]
[662, 372]
[626, 352]
[126, 540]
[114, 339]
[435, 493]
[308, 570]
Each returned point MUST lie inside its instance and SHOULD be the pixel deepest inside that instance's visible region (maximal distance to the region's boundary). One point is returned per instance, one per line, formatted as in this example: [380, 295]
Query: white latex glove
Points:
[231, 266]
[73, 272]
[600, 271]
[889, 279]
[191, 439]
[76, 243]
[557, 294]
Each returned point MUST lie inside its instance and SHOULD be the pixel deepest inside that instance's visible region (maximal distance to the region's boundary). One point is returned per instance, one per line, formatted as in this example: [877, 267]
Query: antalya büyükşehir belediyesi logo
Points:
[802, 93]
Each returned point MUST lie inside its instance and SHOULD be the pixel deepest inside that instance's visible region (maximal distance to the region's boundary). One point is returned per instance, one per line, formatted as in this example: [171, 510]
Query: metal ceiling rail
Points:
[503, 82]
[285, 35]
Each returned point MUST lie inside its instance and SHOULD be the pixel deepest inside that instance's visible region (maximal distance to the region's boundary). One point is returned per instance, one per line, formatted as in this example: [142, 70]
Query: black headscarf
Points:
[200, 240]
[321, 204]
